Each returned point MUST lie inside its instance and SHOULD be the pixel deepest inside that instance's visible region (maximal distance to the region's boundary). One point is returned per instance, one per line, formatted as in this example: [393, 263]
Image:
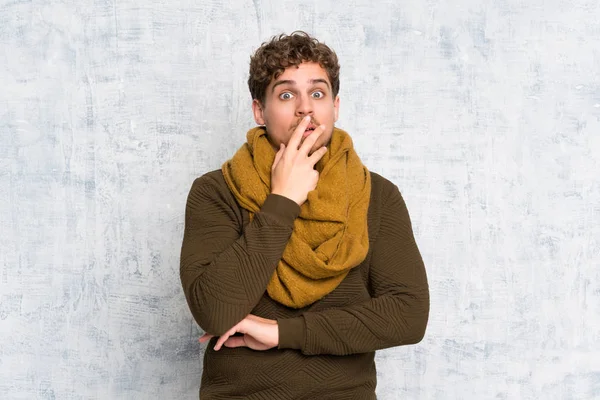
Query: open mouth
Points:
[310, 128]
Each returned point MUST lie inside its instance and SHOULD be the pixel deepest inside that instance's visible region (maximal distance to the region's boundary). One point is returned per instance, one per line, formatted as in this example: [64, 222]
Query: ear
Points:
[257, 110]
[336, 107]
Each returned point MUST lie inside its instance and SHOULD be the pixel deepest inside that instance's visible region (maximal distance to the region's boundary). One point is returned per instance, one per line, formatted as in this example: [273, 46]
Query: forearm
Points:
[223, 291]
[224, 273]
[379, 323]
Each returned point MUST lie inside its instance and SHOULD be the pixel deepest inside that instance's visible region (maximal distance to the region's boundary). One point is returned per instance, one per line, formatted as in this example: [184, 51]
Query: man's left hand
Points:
[258, 334]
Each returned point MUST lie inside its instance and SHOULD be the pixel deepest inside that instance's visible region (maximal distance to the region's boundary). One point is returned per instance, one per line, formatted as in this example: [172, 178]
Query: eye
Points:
[285, 96]
[318, 94]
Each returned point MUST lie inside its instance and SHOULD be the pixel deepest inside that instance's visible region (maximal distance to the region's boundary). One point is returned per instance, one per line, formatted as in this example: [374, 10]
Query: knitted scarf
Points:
[330, 236]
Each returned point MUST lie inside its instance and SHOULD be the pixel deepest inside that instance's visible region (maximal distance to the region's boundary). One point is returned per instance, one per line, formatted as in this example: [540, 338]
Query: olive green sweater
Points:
[326, 350]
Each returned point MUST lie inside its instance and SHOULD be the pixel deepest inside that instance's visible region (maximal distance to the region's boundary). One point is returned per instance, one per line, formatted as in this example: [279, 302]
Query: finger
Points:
[317, 155]
[205, 338]
[224, 337]
[297, 135]
[311, 140]
[278, 155]
[235, 341]
[220, 342]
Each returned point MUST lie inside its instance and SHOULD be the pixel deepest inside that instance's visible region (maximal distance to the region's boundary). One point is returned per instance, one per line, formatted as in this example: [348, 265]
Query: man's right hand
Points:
[293, 174]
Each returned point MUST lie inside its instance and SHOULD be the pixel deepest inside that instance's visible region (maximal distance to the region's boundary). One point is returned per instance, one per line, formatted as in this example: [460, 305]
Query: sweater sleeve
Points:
[224, 271]
[398, 310]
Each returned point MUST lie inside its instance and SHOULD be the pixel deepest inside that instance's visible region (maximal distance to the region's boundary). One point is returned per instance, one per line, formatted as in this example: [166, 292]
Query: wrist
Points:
[283, 208]
[282, 194]
[276, 334]
[292, 333]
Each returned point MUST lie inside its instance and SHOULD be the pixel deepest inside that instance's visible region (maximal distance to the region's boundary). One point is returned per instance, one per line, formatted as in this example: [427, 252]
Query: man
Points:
[298, 262]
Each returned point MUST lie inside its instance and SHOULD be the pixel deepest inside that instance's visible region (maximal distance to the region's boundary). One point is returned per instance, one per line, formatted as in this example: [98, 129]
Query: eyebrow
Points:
[293, 83]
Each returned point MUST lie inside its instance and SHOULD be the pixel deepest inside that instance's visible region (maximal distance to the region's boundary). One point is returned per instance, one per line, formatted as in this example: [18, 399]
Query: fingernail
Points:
[307, 118]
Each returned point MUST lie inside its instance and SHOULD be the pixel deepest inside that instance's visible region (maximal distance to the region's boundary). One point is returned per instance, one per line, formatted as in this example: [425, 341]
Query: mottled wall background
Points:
[485, 114]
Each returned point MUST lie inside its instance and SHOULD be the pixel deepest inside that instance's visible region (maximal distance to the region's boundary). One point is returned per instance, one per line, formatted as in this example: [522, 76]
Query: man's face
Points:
[297, 92]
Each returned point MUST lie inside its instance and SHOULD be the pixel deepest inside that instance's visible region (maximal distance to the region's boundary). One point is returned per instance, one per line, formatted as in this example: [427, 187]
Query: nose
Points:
[304, 106]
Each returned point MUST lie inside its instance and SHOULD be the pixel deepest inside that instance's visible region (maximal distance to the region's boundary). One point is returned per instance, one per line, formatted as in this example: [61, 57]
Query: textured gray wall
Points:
[487, 116]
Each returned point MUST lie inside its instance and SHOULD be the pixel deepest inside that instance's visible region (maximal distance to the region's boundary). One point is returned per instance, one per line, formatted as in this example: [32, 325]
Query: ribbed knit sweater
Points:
[326, 350]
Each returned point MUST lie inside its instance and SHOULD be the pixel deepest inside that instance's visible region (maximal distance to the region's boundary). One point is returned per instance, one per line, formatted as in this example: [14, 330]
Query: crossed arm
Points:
[225, 271]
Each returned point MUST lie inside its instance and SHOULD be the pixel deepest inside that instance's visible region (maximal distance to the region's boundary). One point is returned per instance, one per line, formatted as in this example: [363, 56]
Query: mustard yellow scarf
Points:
[330, 236]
